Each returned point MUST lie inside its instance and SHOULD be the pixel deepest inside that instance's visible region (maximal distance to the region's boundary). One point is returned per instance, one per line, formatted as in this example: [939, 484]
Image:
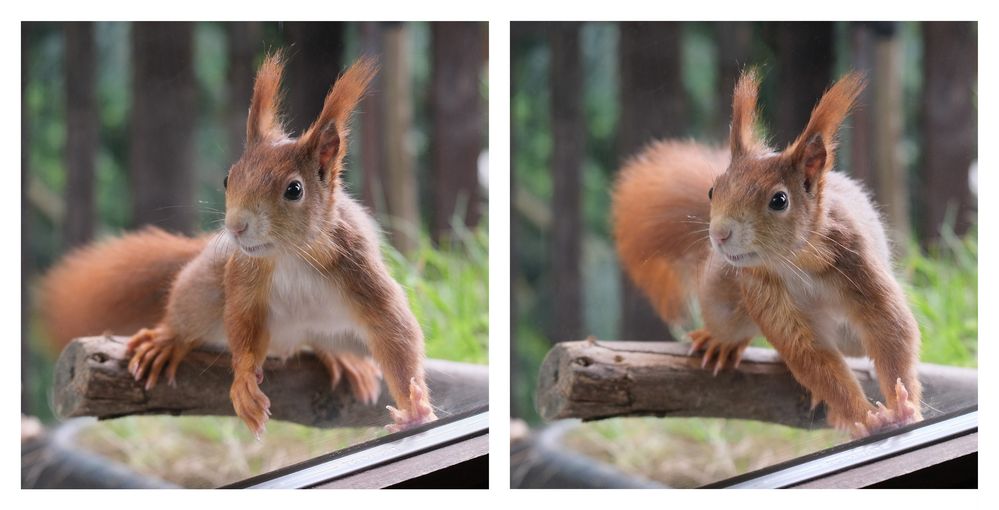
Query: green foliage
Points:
[448, 290]
[943, 294]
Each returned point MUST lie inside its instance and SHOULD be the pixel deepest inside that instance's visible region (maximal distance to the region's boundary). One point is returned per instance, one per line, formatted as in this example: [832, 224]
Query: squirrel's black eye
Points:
[225, 182]
[293, 191]
[711, 192]
[779, 201]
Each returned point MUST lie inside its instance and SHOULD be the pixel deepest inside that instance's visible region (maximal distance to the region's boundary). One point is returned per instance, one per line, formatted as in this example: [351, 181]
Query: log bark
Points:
[91, 379]
[594, 380]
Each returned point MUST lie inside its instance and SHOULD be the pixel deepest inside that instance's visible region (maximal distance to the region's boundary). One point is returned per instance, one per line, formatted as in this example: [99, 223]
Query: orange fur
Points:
[660, 219]
[264, 122]
[118, 285]
[812, 273]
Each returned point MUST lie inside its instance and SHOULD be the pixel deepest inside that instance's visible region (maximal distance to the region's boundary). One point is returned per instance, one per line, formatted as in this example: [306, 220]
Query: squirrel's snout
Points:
[721, 234]
[237, 222]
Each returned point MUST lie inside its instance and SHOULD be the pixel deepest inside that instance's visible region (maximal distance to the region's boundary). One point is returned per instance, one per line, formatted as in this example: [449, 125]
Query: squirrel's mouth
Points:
[257, 250]
[742, 259]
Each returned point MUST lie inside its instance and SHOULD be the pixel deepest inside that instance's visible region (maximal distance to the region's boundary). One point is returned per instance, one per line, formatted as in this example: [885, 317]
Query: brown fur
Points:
[797, 270]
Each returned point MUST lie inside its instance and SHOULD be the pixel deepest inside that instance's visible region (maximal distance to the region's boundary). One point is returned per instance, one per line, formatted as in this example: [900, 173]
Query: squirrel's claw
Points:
[418, 413]
[718, 351]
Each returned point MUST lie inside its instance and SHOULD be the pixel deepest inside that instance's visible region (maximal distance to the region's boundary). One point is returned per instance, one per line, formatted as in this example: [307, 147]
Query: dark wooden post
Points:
[456, 109]
[568, 145]
[315, 59]
[948, 125]
[82, 133]
[164, 108]
[245, 41]
[804, 71]
[372, 146]
[735, 41]
[652, 106]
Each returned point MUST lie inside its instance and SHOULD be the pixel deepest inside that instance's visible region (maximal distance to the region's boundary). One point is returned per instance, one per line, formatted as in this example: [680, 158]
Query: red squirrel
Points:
[296, 265]
[776, 243]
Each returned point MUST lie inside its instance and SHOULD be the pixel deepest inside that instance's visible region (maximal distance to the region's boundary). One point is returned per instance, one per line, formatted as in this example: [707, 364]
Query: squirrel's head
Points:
[767, 203]
[281, 190]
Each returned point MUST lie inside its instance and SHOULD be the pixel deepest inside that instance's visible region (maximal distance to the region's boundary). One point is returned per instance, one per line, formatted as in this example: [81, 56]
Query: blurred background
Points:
[131, 124]
[586, 96]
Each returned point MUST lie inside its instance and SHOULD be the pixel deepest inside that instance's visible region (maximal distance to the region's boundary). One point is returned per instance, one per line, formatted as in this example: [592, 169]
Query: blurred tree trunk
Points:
[372, 147]
[804, 69]
[735, 43]
[876, 133]
[164, 108]
[82, 133]
[456, 110]
[568, 140]
[244, 40]
[653, 106]
[314, 61]
[401, 188]
[948, 125]
[26, 407]
[518, 407]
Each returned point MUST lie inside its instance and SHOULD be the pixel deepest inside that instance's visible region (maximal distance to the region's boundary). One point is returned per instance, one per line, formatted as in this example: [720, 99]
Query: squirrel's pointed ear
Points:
[814, 150]
[327, 137]
[264, 121]
[742, 136]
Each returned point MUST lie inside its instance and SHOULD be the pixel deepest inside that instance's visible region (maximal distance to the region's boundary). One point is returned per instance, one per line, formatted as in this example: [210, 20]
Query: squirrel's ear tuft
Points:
[814, 149]
[264, 121]
[742, 136]
[327, 136]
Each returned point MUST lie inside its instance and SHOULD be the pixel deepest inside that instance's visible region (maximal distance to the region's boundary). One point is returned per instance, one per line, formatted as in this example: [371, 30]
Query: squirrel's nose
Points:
[721, 234]
[237, 226]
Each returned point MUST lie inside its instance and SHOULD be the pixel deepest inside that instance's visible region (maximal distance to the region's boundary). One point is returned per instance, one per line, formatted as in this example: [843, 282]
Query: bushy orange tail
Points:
[118, 286]
[661, 214]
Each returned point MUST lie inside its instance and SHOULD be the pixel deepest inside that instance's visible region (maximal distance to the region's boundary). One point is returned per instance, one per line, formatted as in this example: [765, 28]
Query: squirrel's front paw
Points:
[701, 339]
[251, 405]
[154, 348]
[901, 413]
[419, 411]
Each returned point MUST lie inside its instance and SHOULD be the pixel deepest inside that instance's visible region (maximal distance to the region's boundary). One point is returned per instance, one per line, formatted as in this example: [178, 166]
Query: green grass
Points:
[449, 293]
[943, 292]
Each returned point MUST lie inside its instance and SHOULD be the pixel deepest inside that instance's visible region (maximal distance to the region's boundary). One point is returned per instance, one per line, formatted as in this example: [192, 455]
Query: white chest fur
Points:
[307, 308]
[823, 308]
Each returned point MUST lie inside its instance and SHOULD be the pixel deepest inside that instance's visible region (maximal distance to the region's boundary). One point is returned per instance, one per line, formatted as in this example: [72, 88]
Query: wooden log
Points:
[92, 379]
[593, 380]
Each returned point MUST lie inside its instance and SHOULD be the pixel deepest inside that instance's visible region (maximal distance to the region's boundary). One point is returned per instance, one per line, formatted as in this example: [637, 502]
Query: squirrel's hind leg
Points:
[360, 373]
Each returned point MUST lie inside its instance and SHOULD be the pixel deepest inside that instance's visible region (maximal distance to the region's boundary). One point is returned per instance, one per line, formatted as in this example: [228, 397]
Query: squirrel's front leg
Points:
[397, 344]
[395, 340]
[890, 336]
[821, 370]
[728, 329]
[248, 337]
